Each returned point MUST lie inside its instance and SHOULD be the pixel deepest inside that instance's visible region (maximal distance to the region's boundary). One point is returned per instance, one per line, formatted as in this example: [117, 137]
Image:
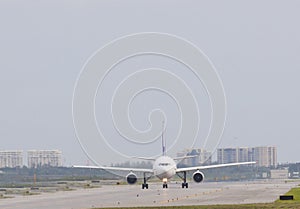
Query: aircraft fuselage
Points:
[164, 168]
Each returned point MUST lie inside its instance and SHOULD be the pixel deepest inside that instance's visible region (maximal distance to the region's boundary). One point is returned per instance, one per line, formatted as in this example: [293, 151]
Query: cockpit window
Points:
[164, 164]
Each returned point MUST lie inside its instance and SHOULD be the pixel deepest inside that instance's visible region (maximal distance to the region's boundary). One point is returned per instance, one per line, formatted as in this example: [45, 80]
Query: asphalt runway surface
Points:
[207, 193]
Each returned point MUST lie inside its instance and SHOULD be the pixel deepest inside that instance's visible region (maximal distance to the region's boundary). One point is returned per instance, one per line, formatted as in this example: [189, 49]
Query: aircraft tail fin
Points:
[163, 142]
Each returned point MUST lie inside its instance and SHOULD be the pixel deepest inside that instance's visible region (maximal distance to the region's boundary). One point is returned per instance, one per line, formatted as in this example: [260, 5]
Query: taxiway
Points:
[206, 193]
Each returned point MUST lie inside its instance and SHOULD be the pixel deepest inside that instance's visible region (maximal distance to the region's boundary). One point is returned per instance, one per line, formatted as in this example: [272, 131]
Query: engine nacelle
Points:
[198, 176]
[131, 178]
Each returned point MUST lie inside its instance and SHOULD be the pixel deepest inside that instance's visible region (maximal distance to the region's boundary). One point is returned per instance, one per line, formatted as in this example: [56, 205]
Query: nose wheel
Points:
[165, 185]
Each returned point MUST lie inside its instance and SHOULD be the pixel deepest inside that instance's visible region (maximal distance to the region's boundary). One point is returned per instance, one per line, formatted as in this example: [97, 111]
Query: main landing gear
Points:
[145, 185]
[184, 184]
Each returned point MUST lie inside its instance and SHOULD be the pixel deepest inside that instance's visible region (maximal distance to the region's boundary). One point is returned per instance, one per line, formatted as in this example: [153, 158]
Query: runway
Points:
[206, 193]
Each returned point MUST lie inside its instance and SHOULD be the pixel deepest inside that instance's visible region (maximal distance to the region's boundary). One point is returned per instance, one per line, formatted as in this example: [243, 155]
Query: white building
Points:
[11, 158]
[264, 156]
[279, 174]
[38, 158]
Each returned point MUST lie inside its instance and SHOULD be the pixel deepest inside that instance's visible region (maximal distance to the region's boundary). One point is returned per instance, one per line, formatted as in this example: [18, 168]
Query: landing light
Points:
[165, 180]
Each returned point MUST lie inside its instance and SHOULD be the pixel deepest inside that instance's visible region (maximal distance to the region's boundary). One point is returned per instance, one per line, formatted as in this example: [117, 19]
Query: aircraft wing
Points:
[212, 166]
[145, 170]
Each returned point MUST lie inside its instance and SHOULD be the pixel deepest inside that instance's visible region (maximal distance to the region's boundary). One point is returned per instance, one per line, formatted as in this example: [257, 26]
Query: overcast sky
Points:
[254, 45]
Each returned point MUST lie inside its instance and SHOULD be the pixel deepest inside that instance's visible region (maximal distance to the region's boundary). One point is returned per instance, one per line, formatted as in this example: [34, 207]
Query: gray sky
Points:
[254, 45]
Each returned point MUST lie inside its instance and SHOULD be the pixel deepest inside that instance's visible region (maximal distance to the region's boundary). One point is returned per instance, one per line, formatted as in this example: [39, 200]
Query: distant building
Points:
[11, 158]
[227, 155]
[279, 174]
[38, 158]
[294, 174]
[234, 155]
[244, 154]
[202, 157]
[264, 156]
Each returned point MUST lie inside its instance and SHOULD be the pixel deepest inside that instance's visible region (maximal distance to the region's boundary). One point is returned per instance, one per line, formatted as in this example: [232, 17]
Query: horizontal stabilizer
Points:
[144, 158]
[185, 157]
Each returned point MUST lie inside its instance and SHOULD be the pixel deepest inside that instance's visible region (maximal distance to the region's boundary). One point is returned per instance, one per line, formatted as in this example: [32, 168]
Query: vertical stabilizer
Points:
[163, 142]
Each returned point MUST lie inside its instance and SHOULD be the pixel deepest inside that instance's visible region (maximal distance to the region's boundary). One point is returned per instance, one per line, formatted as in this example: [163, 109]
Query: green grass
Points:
[277, 204]
[296, 193]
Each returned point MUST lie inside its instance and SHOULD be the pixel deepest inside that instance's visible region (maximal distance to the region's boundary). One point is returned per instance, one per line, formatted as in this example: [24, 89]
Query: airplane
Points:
[164, 168]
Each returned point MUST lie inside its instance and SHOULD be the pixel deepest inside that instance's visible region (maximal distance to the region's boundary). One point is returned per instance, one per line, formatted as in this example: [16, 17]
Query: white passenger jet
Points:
[165, 168]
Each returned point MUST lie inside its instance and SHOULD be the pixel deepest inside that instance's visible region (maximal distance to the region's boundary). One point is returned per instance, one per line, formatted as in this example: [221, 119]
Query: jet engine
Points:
[198, 176]
[131, 178]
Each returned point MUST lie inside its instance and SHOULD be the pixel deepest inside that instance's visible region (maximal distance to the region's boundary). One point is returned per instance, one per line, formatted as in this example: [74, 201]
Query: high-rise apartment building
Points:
[38, 158]
[11, 158]
[264, 156]
[227, 155]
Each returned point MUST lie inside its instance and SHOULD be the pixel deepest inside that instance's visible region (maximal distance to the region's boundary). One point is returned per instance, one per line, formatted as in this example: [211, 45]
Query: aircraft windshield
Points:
[164, 164]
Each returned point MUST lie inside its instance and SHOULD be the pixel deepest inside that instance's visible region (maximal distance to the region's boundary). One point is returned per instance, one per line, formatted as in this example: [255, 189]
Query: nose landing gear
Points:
[165, 185]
